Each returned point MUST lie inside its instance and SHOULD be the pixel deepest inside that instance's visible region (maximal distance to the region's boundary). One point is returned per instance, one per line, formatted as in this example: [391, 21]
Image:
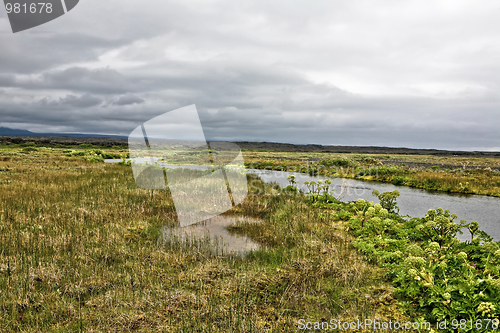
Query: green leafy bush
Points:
[388, 200]
[436, 276]
[366, 159]
[338, 162]
[343, 215]
[94, 158]
[95, 155]
[28, 144]
[29, 149]
[110, 156]
[399, 180]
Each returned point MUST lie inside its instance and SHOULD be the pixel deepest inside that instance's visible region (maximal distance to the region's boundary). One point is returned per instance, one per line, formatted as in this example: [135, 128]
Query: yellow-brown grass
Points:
[79, 251]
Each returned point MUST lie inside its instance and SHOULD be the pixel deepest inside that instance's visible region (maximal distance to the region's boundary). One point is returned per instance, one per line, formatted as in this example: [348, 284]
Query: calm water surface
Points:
[412, 201]
[214, 231]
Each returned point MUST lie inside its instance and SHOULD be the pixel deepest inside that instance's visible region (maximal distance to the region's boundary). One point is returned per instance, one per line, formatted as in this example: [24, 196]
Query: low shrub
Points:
[399, 180]
[29, 149]
[339, 162]
[436, 276]
[94, 158]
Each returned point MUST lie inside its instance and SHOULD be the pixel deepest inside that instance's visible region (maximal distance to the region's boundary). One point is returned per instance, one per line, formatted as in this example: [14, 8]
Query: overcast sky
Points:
[419, 74]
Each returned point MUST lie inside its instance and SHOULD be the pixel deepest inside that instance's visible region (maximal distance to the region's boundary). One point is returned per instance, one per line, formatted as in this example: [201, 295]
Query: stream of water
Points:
[412, 201]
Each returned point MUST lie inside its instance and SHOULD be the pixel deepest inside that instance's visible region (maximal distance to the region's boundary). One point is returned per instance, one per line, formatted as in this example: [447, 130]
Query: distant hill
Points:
[20, 136]
[15, 132]
[287, 147]
[4, 131]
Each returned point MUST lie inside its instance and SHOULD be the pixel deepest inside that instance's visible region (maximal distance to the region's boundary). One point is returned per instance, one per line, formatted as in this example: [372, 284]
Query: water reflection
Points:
[412, 201]
[212, 235]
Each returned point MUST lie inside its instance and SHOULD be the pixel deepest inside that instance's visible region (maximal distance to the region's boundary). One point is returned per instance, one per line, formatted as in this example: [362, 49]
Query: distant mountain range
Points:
[5, 131]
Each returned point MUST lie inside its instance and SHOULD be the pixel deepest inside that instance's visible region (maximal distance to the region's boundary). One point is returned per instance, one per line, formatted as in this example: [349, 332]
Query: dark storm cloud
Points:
[99, 81]
[103, 81]
[7, 80]
[38, 52]
[332, 72]
[85, 101]
[128, 100]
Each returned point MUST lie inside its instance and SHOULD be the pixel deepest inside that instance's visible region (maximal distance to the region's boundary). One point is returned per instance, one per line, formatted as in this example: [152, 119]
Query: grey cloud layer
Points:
[330, 72]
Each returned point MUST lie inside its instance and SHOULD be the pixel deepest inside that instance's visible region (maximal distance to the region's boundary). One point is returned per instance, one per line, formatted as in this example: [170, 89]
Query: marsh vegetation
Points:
[82, 248]
[80, 251]
[453, 174]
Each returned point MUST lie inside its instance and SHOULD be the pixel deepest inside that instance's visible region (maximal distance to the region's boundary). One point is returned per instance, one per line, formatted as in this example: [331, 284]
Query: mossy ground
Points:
[79, 251]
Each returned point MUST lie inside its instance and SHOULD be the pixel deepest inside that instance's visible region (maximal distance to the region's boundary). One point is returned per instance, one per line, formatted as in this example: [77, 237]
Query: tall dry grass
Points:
[79, 252]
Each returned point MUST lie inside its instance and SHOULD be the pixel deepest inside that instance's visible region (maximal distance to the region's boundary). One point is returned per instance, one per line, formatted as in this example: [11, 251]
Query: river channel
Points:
[412, 201]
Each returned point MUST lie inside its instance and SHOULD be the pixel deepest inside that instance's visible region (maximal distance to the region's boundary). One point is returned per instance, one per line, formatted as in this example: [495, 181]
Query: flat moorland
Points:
[83, 249]
[80, 251]
[440, 170]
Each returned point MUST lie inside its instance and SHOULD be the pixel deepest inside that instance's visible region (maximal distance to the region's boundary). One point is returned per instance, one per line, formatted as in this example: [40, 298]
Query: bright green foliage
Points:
[291, 180]
[95, 155]
[292, 188]
[320, 191]
[388, 200]
[436, 276]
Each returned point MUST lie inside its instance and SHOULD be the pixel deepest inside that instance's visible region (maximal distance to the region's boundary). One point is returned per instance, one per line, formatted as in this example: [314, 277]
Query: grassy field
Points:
[80, 252]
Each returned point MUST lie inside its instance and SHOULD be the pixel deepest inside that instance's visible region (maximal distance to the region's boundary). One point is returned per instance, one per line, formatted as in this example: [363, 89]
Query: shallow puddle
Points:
[212, 235]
